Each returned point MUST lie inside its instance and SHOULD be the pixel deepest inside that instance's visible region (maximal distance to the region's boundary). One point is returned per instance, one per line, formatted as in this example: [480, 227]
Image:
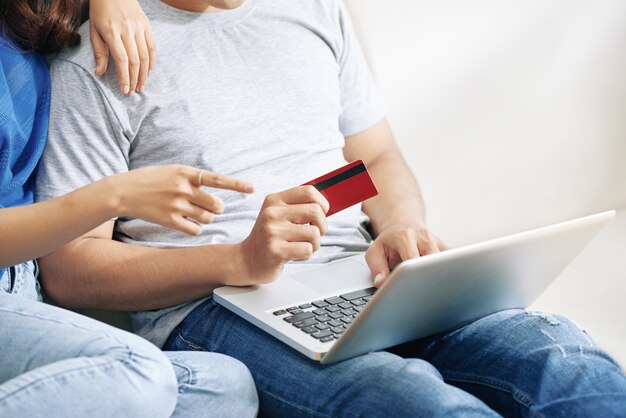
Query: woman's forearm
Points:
[29, 232]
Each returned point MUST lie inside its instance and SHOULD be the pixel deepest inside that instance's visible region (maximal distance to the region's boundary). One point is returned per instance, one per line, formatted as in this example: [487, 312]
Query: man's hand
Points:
[289, 228]
[399, 243]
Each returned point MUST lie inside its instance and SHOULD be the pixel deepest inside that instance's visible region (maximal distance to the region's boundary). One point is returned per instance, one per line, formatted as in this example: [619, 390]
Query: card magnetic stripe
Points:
[349, 173]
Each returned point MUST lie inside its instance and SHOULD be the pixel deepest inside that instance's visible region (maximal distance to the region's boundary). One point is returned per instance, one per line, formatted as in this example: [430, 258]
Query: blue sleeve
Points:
[24, 112]
[8, 127]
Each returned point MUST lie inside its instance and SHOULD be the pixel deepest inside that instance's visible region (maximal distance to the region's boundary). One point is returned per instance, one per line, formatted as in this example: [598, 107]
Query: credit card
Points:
[346, 186]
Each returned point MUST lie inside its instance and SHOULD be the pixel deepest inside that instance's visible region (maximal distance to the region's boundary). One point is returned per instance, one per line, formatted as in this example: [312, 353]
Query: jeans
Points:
[56, 363]
[513, 363]
[21, 281]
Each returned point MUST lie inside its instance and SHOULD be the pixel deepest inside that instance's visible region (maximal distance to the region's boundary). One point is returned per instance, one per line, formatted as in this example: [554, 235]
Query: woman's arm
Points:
[168, 195]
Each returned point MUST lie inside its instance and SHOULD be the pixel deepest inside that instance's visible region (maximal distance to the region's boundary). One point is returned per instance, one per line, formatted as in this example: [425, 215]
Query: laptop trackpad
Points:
[333, 277]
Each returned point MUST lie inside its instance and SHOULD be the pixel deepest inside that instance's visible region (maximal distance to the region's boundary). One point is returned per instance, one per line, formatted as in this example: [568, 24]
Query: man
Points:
[277, 92]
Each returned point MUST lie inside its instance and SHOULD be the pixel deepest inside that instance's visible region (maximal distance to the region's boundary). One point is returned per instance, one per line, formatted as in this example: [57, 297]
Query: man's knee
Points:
[518, 326]
[404, 387]
[538, 337]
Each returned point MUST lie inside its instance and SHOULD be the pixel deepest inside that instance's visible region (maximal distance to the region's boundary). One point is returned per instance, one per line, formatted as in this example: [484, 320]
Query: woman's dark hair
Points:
[43, 26]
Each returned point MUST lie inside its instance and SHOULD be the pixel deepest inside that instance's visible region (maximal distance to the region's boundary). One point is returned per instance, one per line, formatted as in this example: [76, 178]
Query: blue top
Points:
[24, 112]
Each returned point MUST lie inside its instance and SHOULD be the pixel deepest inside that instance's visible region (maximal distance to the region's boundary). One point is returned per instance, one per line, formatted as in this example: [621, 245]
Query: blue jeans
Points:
[56, 363]
[514, 363]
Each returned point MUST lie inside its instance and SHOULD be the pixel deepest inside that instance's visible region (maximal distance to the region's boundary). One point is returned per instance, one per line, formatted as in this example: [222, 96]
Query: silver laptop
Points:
[332, 312]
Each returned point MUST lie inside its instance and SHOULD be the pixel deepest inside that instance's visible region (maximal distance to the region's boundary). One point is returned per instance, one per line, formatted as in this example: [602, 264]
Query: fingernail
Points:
[126, 90]
[139, 89]
[249, 188]
[378, 279]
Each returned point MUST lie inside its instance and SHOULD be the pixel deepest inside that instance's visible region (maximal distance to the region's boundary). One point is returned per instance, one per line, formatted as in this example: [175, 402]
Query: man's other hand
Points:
[288, 228]
[399, 243]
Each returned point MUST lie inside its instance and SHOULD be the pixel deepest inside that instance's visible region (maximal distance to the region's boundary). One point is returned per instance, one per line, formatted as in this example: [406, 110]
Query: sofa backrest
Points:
[512, 114]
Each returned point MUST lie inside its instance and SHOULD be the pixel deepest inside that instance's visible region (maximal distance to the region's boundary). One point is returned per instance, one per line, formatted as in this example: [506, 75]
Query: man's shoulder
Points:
[80, 55]
[77, 66]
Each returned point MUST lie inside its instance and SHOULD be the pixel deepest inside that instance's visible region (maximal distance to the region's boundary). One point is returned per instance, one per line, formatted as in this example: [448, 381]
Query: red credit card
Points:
[346, 186]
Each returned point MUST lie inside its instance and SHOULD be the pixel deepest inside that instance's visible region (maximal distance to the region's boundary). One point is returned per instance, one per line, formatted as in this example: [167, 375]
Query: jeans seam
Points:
[191, 381]
[190, 344]
[293, 405]
[44, 318]
[521, 397]
[277, 397]
[62, 373]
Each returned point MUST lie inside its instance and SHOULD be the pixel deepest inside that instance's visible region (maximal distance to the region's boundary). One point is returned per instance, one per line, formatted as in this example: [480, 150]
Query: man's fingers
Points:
[303, 233]
[308, 213]
[402, 250]
[406, 252]
[220, 181]
[130, 45]
[297, 251]
[427, 247]
[378, 264]
[100, 51]
[304, 194]
[144, 61]
[427, 242]
[441, 245]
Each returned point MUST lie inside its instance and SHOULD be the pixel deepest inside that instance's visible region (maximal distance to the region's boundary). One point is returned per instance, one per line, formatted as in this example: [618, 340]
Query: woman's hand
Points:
[171, 195]
[120, 28]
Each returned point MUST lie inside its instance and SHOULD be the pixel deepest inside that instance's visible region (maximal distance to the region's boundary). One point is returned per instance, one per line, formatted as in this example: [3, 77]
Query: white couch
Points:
[512, 114]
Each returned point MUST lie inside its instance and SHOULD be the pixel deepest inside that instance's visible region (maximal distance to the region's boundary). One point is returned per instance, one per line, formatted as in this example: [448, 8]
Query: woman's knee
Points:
[236, 380]
[213, 379]
[152, 385]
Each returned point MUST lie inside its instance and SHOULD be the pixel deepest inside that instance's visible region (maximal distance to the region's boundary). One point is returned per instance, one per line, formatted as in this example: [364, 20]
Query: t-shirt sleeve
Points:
[361, 101]
[86, 141]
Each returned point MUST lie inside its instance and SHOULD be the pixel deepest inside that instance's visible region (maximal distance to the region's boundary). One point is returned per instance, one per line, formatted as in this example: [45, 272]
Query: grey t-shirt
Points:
[266, 93]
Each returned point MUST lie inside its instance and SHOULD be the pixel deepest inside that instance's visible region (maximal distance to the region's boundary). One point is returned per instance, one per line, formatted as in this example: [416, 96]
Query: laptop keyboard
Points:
[327, 319]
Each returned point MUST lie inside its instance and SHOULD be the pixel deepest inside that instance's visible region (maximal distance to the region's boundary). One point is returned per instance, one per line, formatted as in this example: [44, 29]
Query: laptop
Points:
[332, 312]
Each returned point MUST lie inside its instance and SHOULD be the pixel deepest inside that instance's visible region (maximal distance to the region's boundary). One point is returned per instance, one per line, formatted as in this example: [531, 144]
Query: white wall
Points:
[511, 113]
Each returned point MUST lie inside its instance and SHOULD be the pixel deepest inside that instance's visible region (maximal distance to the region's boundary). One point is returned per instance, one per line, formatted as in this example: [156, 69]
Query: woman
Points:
[54, 362]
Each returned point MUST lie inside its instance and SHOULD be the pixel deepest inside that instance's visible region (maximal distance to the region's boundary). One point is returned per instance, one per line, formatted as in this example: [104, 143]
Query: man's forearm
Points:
[100, 273]
[399, 201]
[397, 213]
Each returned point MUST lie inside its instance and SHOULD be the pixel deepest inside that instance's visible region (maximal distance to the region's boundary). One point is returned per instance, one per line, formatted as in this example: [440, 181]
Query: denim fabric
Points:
[514, 363]
[6, 280]
[21, 280]
[212, 385]
[56, 363]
